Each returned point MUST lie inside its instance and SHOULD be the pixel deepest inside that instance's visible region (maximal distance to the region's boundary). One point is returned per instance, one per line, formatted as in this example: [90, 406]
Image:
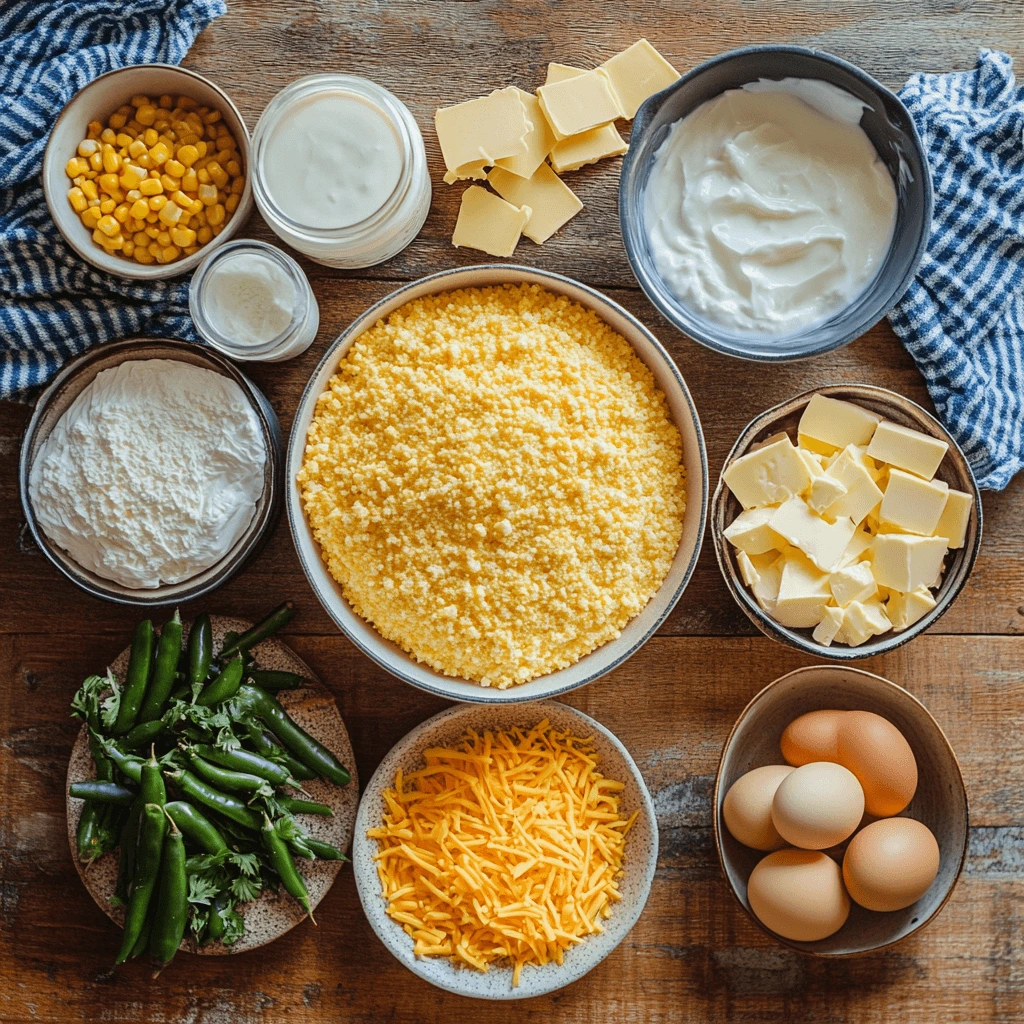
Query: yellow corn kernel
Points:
[233, 167]
[96, 162]
[146, 114]
[78, 179]
[107, 241]
[184, 219]
[74, 167]
[185, 102]
[139, 209]
[140, 237]
[208, 194]
[223, 156]
[108, 135]
[196, 207]
[182, 237]
[184, 201]
[90, 190]
[137, 148]
[164, 236]
[151, 219]
[108, 182]
[217, 174]
[151, 230]
[215, 215]
[140, 101]
[150, 186]
[188, 155]
[127, 246]
[159, 153]
[170, 184]
[166, 101]
[201, 148]
[143, 255]
[77, 199]
[189, 249]
[131, 225]
[87, 147]
[132, 194]
[107, 205]
[117, 121]
[170, 214]
[145, 161]
[124, 140]
[163, 126]
[134, 126]
[238, 186]
[93, 127]
[120, 213]
[232, 203]
[132, 176]
[212, 117]
[190, 180]
[111, 160]
[150, 136]
[204, 234]
[157, 202]
[203, 175]
[174, 168]
[91, 217]
[217, 230]
[170, 254]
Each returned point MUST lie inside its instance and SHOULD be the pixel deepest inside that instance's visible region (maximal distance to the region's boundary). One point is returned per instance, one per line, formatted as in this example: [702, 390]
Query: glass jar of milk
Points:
[340, 171]
[251, 301]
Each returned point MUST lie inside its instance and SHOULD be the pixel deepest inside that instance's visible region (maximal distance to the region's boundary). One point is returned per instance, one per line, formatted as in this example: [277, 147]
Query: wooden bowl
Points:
[272, 914]
[940, 801]
[955, 470]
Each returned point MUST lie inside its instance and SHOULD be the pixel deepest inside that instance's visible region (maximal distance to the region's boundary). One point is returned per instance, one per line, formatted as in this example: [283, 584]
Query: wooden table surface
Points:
[693, 955]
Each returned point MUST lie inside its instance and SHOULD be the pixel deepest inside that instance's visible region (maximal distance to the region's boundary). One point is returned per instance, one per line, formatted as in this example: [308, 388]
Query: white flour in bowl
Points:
[152, 474]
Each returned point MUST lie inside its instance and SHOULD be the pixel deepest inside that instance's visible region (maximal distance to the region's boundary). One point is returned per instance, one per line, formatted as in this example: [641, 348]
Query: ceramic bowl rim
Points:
[716, 810]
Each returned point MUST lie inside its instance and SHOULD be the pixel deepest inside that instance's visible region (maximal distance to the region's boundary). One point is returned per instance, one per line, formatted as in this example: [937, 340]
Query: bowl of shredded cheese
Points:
[497, 484]
[503, 852]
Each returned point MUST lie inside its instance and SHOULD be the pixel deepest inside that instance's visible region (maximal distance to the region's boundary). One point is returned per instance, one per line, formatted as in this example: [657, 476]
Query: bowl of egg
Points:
[840, 812]
[846, 521]
[146, 171]
[775, 202]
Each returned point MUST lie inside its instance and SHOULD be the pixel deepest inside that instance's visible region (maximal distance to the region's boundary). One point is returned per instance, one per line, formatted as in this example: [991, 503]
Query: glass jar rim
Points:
[197, 290]
[390, 105]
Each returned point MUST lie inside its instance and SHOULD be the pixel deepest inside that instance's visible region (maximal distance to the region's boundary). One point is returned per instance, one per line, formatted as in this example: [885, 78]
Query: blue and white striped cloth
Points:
[54, 305]
[963, 317]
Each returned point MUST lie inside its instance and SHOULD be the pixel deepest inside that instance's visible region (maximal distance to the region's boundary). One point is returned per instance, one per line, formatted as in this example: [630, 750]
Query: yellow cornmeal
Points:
[495, 482]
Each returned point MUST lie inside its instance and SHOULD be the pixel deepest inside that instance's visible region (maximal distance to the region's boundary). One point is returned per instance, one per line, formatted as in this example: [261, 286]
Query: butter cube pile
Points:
[846, 532]
[528, 139]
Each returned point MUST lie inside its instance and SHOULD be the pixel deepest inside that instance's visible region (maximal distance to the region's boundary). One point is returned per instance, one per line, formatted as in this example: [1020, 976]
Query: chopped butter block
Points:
[955, 517]
[817, 447]
[824, 543]
[825, 490]
[862, 493]
[637, 73]
[747, 569]
[577, 104]
[863, 620]
[750, 532]
[907, 449]
[837, 423]
[913, 504]
[767, 476]
[551, 201]
[814, 467]
[587, 148]
[906, 609]
[540, 140]
[858, 548]
[560, 72]
[475, 134]
[486, 222]
[803, 592]
[854, 582]
[904, 562]
[826, 630]
[769, 572]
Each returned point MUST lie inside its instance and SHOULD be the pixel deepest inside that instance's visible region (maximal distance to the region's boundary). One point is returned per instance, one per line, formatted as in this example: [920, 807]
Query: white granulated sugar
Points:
[152, 474]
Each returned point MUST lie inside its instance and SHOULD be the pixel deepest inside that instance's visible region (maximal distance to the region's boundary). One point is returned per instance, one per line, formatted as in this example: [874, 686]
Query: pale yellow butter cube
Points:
[862, 493]
[475, 134]
[955, 518]
[831, 623]
[907, 449]
[769, 579]
[587, 148]
[750, 532]
[863, 620]
[486, 222]
[748, 571]
[858, 548]
[904, 562]
[552, 203]
[767, 476]
[825, 490]
[637, 73]
[906, 609]
[803, 592]
[836, 422]
[577, 104]
[540, 140]
[913, 504]
[824, 543]
[854, 582]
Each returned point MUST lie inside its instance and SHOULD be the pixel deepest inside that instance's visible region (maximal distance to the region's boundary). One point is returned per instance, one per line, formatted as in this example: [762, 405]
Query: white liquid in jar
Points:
[332, 160]
[248, 298]
[768, 208]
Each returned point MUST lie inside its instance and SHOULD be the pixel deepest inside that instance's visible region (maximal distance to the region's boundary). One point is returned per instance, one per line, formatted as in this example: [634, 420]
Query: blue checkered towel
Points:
[53, 304]
[963, 317]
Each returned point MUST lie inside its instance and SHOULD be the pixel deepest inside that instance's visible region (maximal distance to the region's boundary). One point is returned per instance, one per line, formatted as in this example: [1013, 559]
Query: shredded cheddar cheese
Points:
[506, 848]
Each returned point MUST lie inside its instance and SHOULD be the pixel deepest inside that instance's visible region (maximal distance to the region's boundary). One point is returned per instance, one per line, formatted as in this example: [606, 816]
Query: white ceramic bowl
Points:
[639, 629]
[640, 859]
[96, 102]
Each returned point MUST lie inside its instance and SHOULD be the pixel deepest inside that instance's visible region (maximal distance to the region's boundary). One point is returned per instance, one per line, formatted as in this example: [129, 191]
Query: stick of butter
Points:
[551, 202]
[577, 104]
[907, 449]
[837, 423]
[913, 504]
[486, 222]
[636, 73]
[955, 516]
[540, 140]
[904, 562]
[475, 134]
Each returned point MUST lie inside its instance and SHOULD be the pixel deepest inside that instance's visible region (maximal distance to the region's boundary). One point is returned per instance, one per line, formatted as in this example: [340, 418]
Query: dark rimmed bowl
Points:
[890, 128]
[940, 801]
[955, 470]
[65, 388]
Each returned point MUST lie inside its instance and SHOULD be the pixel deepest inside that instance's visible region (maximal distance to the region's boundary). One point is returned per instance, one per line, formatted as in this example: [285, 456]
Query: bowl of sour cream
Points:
[775, 202]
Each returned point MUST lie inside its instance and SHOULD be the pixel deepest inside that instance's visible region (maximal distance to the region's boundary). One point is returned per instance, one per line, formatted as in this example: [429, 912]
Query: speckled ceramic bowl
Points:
[955, 470]
[313, 707]
[640, 858]
[940, 801]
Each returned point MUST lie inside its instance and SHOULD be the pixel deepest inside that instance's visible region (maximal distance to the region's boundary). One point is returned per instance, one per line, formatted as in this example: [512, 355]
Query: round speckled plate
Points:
[640, 859]
[314, 709]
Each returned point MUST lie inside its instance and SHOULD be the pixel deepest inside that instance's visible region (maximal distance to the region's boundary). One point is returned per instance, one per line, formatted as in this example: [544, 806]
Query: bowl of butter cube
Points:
[846, 521]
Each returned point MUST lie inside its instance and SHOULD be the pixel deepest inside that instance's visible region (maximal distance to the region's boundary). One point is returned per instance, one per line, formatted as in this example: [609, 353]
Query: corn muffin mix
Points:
[495, 482]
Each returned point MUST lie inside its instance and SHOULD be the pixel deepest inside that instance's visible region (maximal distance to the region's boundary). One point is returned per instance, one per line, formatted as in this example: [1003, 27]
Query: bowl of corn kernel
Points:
[146, 171]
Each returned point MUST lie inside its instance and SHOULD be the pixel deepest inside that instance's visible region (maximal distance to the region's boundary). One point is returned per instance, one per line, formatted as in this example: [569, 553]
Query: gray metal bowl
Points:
[72, 379]
[954, 470]
[891, 130]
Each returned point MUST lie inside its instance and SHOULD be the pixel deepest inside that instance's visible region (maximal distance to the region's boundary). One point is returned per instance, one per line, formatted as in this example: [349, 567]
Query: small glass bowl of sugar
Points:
[251, 301]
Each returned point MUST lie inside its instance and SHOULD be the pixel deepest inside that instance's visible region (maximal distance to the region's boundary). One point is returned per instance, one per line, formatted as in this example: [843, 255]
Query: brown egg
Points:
[818, 805]
[877, 753]
[891, 863]
[747, 807]
[811, 737]
[799, 895]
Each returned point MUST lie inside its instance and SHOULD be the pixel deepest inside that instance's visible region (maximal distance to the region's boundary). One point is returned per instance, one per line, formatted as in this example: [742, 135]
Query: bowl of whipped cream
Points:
[775, 202]
[150, 471]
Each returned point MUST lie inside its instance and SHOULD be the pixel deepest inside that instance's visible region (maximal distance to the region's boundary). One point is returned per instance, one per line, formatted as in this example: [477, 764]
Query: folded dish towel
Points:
[54, 305]
[963, 317]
